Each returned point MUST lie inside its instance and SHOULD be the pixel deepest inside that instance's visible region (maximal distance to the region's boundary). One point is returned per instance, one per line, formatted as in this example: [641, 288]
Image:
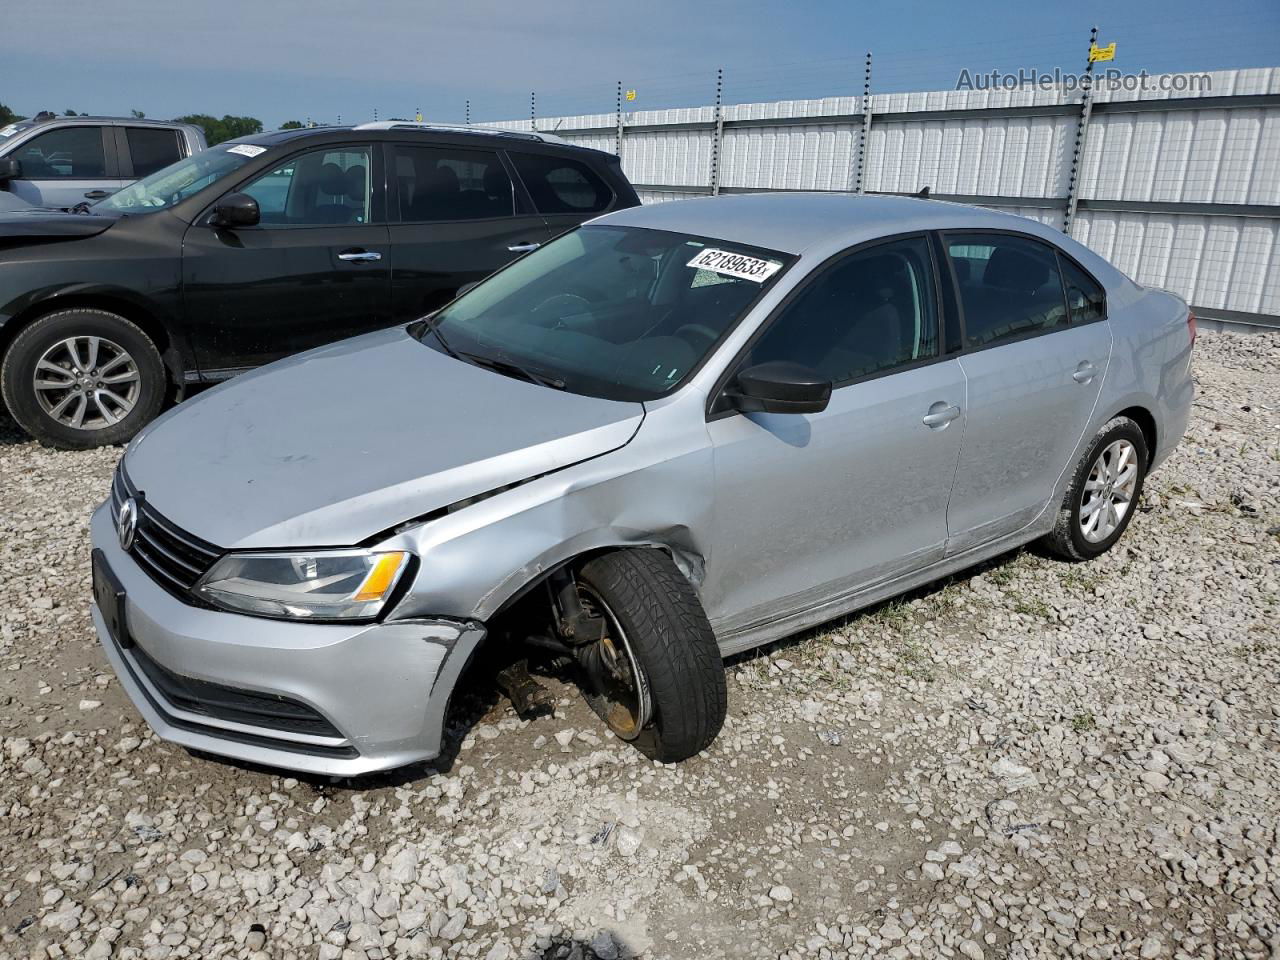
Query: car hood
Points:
[336, 445]
[45, 223]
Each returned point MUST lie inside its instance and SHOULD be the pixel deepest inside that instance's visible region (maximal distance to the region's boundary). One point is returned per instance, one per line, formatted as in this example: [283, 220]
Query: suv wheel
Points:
[656, 677]
[1103, 494]
[82, 378]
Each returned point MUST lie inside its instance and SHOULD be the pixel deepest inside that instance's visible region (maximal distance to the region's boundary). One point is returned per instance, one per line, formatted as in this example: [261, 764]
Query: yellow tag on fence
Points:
[1098, 54]
[631, 94]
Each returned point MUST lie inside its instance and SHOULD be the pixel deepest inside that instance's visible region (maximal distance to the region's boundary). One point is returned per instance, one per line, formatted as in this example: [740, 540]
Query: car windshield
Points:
[617, 312]
[176, 182]
[13, 129]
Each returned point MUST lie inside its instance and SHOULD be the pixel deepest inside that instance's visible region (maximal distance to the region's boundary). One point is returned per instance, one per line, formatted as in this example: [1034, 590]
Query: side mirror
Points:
[236, 210]
[10, 169]
[779, 386]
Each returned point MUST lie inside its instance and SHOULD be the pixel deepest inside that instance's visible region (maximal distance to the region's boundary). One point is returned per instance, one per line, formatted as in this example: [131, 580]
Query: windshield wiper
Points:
[510, 369]
[430, 324]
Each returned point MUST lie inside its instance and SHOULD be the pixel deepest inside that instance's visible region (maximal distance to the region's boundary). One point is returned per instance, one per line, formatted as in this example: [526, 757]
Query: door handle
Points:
[97, 194]
[940, 414]
[1085, 372]
[360, 256]
[523, 247]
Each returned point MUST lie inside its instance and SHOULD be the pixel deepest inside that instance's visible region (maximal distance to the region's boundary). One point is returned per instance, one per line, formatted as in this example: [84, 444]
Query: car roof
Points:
[130, 121]
[795, 222]
[410, 130]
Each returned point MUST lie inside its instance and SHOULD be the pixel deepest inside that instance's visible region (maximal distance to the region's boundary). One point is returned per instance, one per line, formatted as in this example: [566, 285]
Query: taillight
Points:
[1191, 325]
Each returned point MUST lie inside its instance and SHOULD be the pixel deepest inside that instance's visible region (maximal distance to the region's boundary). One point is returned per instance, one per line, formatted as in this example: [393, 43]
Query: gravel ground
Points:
[1035, 759]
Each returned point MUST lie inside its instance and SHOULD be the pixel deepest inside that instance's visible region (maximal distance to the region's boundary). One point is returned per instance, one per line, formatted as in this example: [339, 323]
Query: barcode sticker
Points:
[246, 149]
[735, 265]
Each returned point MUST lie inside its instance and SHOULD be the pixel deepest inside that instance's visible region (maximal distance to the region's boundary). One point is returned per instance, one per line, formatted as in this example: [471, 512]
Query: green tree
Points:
[291, 125]
[228, 128]
[137, 114]
[7, 116]
[71, 113]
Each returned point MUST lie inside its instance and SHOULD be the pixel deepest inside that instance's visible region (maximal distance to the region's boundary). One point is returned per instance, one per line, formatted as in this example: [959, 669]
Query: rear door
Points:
[67, 165]
[456, 217]
[565, 190]
[1034, 371]
[144, 150]
[316, 269]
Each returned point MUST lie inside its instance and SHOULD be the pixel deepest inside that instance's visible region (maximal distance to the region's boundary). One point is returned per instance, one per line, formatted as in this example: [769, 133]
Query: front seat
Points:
[329, 199]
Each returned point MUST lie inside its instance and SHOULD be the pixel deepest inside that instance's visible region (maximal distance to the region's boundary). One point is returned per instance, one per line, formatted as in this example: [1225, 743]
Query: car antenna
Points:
[923, 194]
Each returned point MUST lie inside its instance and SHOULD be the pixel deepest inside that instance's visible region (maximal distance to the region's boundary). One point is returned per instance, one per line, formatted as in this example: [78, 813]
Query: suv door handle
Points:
[97, 194]
[360, 256]
[940, 414]
[523, 247]
[1085, 372]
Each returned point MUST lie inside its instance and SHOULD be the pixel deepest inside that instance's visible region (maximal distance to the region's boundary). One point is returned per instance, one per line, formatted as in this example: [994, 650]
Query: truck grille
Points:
[172, 557]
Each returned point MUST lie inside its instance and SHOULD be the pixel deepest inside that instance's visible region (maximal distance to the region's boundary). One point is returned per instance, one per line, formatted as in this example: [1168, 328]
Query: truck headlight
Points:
[317, 585]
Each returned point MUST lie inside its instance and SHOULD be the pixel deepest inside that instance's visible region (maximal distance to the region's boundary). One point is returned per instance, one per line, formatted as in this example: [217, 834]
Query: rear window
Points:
[152, 149]
[561, 185]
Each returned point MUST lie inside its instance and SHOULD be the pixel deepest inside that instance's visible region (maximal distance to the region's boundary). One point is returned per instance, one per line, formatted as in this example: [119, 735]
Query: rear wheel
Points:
[1103, 494]
[655, 676]
[82, 378]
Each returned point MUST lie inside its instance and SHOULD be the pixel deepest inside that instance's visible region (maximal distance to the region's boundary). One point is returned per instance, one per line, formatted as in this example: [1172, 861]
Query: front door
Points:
[1034, 369]
[66, 166]
[810, 507]
[315, 270]
[457, 217]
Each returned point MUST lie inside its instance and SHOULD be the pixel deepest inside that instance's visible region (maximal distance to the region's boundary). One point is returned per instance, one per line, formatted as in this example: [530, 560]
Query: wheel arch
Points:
[145, 316]
[1146, 422]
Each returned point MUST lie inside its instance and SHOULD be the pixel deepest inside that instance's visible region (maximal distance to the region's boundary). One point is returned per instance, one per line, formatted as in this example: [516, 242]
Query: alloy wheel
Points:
[1109, 491]
[87, 382]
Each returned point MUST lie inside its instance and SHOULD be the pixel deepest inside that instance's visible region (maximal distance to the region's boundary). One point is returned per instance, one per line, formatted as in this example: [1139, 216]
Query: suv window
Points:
[870, 312]
[441, 183]
[321, 188]
[152, 149]
[1009, 286]
[1086, 300]
[561, 185]
[67, 152]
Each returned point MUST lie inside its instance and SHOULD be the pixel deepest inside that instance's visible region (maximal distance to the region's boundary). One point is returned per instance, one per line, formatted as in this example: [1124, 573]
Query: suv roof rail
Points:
[459, 128]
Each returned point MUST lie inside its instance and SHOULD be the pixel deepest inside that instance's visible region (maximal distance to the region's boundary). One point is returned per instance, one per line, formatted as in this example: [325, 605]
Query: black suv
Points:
[261, 247]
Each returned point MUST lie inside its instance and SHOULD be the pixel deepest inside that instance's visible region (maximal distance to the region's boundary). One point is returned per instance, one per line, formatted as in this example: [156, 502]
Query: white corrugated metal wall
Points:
[1146, 165]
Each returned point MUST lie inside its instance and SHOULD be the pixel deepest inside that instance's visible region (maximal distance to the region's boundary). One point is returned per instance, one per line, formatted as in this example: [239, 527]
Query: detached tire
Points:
[1103, 494]
[82, 378]
[658, 639]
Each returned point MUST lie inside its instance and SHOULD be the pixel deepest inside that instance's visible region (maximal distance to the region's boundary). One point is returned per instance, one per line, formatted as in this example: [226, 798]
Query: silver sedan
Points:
[675, 433]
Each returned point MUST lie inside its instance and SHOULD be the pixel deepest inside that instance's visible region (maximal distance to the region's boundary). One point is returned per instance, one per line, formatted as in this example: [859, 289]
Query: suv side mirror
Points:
[10, 169]
[236, 210]
[780, 386]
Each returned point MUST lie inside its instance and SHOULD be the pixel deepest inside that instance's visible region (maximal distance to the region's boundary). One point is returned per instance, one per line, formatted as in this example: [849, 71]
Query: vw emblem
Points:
[127, 524]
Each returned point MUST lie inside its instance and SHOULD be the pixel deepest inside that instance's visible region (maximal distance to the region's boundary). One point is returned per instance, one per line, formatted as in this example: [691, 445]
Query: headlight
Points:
[324, 585]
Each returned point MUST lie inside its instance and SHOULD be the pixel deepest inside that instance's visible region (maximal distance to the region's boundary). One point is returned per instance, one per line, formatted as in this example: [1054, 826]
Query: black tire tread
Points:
[1060, 540]
[673, 641]
[36, 426]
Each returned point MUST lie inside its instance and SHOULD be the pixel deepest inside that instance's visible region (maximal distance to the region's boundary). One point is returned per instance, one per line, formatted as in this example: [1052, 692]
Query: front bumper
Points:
[320, 698]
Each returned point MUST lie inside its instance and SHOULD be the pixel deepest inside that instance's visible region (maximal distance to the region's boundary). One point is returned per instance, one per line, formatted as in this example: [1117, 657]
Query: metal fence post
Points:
[864, 134]
[533, 111]
[617, 116]
[468, 113]
[1077, 155]
[718, 135]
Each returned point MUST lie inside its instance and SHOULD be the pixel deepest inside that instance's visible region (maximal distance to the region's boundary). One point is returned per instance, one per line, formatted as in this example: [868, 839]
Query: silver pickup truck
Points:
[52, 161]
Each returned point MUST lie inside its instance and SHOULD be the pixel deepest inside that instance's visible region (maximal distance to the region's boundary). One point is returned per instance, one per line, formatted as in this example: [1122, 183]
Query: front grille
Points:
[174, 558]
[269, 711]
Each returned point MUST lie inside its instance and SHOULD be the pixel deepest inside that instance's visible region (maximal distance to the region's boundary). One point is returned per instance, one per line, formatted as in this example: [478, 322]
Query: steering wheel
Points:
[698, 335]
[558, 306]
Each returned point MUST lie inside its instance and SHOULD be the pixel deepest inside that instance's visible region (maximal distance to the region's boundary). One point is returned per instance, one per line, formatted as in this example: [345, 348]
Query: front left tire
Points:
[82, 378]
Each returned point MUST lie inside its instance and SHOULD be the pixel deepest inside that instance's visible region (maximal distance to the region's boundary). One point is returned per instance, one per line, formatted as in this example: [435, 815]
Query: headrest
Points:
[496, 182]
[353, 183]
[332, 180]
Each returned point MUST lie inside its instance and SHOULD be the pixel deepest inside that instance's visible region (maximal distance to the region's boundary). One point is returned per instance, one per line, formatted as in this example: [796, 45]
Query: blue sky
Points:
[293, 59]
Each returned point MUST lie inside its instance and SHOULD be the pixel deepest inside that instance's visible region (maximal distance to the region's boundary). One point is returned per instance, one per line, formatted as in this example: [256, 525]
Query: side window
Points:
[152, 149]
[1009, 287]
[1086, 300]
[872, 311]
[440, 183]
[561, 185]
[69, 152]
[321, 188]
